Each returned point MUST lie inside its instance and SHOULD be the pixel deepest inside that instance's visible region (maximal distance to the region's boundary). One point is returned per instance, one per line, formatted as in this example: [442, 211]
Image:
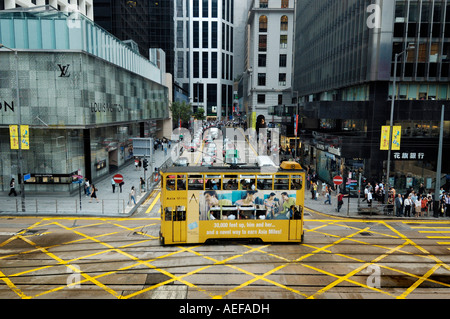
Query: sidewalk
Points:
[109, 204]
[352, 211]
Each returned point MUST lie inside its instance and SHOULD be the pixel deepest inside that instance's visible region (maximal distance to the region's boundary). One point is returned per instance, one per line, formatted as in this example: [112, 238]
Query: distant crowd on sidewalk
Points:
[412, 203]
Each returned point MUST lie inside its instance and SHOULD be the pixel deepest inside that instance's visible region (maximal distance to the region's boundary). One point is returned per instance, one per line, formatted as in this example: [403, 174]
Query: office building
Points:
[204, 32]
[344, 71]
[267, 78]
[82, 93]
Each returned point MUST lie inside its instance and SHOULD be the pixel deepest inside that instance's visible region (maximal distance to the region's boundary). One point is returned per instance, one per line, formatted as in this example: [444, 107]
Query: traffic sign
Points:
[337, 180]
[118, 178]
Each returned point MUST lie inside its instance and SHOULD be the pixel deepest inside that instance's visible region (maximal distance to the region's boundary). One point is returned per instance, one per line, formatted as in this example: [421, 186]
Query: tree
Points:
[200, 114]
[180, 111]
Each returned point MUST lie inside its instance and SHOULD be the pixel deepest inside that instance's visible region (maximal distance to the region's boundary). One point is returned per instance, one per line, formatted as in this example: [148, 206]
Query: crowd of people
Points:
[418, 202]
[413, 203]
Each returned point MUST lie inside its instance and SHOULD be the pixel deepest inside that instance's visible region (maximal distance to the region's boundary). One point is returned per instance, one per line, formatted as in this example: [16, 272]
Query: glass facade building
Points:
[82, 92]
[344, 70]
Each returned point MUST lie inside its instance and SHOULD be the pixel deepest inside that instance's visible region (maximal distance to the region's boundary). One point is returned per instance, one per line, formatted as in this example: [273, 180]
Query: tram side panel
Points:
[196, 216]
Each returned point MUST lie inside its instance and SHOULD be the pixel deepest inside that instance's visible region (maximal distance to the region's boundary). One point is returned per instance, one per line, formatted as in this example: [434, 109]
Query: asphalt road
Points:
[58, 258]
[121, 258]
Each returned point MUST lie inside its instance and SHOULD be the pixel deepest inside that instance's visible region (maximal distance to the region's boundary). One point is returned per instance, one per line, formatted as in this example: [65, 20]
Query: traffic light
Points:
[145, 164]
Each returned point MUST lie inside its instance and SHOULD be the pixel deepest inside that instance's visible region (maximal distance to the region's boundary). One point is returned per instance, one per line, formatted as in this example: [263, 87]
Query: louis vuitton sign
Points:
[6, 106]
[106, 107]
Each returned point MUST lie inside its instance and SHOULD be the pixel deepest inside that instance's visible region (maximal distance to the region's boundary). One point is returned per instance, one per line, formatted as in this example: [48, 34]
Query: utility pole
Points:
[439, 166]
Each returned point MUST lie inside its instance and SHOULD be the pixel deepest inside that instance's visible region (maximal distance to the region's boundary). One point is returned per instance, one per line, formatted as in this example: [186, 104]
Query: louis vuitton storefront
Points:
[82, 106]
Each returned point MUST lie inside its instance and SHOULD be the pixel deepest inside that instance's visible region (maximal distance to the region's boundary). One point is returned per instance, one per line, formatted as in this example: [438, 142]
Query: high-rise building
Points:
[127, 20]
[269, 47]
[204, 53]
[344, 70]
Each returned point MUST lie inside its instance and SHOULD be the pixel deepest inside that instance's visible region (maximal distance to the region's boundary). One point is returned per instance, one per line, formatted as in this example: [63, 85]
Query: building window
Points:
[214, 65]
[262, 60]
[285, 3]
[196, 34]
[214, 8]
[284, 23]
[263, 43]
[283, 41]
[195, 9]
[263, 24]
[214, 35]
[205, 34]
[205, 64]
[196, 64]
[283, 60]
[261, 79]
[263, 3]
[282, 79]
[205, 9]
[261, 99]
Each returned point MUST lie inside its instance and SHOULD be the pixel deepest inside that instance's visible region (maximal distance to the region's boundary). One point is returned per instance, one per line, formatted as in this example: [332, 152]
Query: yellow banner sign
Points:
[25, 137]
[14, 137]
[396, 137]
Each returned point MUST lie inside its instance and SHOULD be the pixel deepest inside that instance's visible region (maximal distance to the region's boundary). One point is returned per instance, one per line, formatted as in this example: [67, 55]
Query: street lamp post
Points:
[19, 154]
[391, 120]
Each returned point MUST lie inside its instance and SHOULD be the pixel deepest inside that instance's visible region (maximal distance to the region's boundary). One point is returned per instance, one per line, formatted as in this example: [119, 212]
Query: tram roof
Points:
[228, 169]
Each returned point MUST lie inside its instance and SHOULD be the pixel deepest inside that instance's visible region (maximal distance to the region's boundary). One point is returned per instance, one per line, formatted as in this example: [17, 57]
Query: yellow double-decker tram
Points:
[202, 204]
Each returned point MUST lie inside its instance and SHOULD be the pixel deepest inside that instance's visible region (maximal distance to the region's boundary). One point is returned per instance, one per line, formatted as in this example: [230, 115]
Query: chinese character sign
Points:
[14, 137]
[396, 137]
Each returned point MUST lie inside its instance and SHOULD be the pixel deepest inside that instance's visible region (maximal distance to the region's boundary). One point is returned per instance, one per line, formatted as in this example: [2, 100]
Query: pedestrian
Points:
[120, 186]
[136, 163]
[113, 184]
[408, 205]
[399, 205]
[328, 192]
[424, 205]
[369, 198]
[366, 192]
[417, 207]
[132, 194]
[447, 205]
[12, 187]
[93, 193]
[140, 164]
[87, 190]
[340, 201]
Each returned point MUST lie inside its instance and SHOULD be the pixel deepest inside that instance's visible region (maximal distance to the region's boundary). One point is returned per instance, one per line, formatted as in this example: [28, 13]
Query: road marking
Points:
[153, 203]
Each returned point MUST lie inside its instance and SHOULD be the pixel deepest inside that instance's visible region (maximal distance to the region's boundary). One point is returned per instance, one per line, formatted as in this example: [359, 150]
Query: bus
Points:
[212, 204]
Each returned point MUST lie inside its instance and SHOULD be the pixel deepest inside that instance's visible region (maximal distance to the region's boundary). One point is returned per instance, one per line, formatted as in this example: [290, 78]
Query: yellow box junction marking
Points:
[399, 245]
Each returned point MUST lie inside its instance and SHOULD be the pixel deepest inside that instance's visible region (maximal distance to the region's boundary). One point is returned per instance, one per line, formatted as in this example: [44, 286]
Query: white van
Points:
[265, 160]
